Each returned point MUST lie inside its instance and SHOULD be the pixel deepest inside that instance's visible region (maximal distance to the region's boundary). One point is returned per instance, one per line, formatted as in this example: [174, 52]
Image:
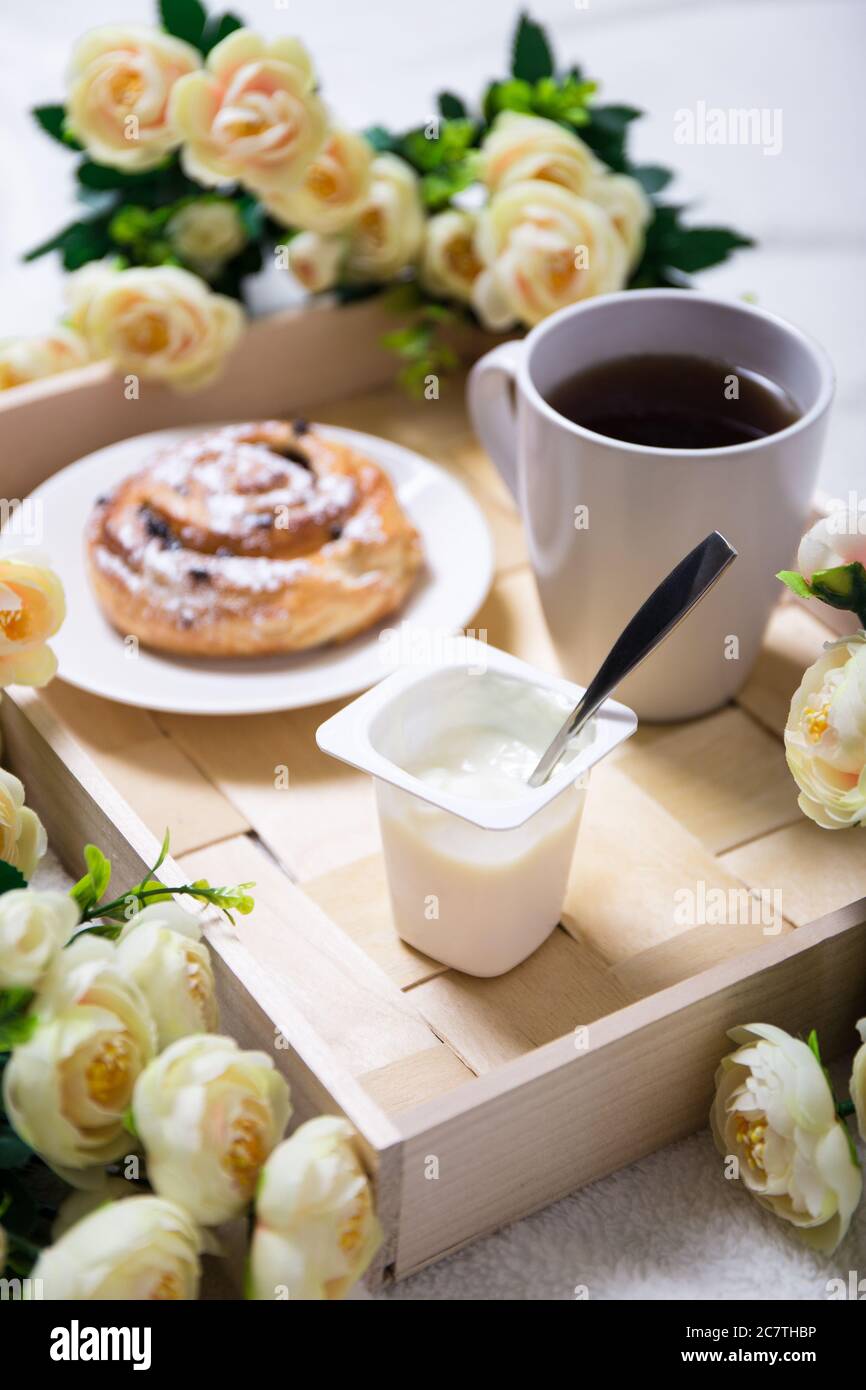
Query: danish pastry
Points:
[250, 540]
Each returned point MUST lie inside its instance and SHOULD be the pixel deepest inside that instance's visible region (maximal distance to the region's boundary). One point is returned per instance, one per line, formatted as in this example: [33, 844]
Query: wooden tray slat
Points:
[723, 776]
[632, 861]
[356, 898]
[816, 870]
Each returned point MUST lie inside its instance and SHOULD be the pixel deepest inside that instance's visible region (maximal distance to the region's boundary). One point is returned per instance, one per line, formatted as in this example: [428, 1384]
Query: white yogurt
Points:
[477, 899]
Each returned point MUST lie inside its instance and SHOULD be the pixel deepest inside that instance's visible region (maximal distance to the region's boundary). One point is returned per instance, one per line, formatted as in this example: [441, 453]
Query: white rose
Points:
[120, 81]
[206, 233]
[628, 208]
[450, 264]
[141, 1248]
[160, 323]
[547, 248]
[32, 359]
[23, 841]
[520, 147]
[775, 1113]
[316, 1228]
[161, 951]
[825, 736]
[334, 189]
[833, 541]
[32, 607]
[67, 1088]
[251, 115]
[315, 260]
[33, 927]
[388, 232]
[208, 1115]
[857, 1084]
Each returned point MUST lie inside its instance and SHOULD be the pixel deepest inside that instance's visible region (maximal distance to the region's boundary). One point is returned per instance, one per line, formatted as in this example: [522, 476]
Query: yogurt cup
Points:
[477, 861]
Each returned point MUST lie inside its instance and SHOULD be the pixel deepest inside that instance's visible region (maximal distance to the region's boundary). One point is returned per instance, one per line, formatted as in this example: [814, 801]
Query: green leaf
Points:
[99, 868]
[92, 885]
[843, 587]
[217, 29]
[14, 1153]
[696, 248]
[252, 215]
[53, 121]
[185, 19]
[796, 583]
[531, 57]
[512, 95]
[10, 877]
[812, 1044]
[382, 140]
[16, 1024]
[427, 153]
[652, 177]
[452, 107]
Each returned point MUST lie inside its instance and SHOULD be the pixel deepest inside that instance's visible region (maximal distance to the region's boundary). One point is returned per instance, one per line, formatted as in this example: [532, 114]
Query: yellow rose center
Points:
[149, 334]
[353, 1231]
[196, 981]
[372, 225]
[126, 87]
[752, 1138]
[246, 1151]
[109, 1075]
[167, 1288]
[461, 258]
[816, 721]
[322, 182]
[560, 271]
[245, 125]
[22, 623]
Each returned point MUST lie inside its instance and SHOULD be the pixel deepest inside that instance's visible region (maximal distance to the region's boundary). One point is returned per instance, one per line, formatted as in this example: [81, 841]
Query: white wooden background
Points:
[670, 1227]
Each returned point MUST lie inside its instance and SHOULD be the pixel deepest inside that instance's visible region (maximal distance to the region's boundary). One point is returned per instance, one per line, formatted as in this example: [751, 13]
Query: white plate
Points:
[92, 656]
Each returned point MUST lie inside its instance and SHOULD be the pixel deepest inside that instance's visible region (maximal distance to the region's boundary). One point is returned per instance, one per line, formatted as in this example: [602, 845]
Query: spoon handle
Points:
[666, 606]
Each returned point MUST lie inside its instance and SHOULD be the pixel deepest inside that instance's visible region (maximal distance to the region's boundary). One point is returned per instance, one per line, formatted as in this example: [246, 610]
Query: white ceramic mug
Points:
[646, 507]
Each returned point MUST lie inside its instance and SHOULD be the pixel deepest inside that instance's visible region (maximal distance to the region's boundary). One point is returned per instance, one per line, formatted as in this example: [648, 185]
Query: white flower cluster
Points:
[122, 1060]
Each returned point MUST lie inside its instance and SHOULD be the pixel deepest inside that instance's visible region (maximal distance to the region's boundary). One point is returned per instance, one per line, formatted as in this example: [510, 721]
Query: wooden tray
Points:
[478, 1100]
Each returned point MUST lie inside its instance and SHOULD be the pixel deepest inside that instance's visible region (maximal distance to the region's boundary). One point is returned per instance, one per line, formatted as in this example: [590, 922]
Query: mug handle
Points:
[489, 395]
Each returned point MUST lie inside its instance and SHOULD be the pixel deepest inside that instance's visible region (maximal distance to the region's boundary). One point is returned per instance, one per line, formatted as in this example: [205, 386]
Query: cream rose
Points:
[628, 208]
[252, 116]
[857, 1084]
[389, 230]
[33, 927]
[825, 736]
[120, 81]
[450, 264]
[775, 1113]
[315, 260]
[208, 1115]
[833, 541]
[23, 841]
[160, 323]
[520, 147]
[32, 359]
[32, 608]
[547, 248]
[68, 1087]
[161, 951]
[316, 1227]
[334, 189]
[206, 233]
[142, 1248]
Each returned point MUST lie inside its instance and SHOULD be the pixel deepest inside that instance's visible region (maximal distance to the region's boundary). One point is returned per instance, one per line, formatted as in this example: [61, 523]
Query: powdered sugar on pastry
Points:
[249, 540]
